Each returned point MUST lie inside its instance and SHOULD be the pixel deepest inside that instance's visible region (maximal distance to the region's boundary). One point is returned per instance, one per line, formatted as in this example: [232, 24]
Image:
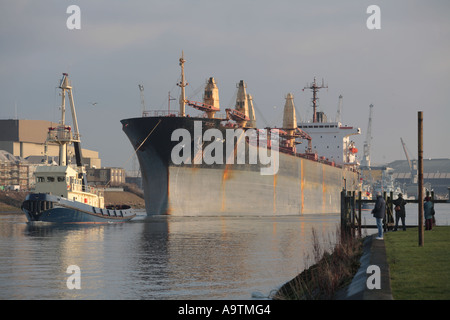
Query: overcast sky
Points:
[276, 47]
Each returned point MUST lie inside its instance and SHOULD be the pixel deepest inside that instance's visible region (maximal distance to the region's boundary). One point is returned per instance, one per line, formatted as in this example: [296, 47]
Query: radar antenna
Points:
[315, 100]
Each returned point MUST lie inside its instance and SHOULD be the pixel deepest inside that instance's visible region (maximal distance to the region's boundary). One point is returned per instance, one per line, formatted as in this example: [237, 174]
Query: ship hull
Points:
[41, 207]
[299, 186]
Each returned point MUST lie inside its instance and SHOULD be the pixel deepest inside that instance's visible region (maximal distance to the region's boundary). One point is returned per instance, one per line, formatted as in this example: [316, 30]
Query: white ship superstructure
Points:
[331, 140]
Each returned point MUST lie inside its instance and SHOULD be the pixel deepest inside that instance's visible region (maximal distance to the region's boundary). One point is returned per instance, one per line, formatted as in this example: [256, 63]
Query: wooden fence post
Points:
[420, 174]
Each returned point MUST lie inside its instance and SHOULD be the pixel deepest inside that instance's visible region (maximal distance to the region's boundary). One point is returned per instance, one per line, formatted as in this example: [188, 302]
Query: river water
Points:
[164, 257]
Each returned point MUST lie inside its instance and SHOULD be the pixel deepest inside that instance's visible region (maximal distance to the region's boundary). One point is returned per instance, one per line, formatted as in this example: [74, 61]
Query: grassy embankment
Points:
[419, 272]
[6, 208]
[329, 273]
[10, 201]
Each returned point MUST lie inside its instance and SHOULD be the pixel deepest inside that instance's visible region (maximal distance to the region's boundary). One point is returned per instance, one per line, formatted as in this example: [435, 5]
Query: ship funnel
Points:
[289, 118]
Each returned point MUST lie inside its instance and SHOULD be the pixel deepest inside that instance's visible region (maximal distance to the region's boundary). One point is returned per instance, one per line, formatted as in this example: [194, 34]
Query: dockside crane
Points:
[406, 153]
[411, 168]
[365, 162]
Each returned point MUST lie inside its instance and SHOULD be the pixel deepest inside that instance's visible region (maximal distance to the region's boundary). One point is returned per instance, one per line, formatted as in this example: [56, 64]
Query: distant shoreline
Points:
[7, 209]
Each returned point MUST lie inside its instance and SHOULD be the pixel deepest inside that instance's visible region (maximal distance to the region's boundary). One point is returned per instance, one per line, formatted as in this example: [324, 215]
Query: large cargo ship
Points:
[224, 165]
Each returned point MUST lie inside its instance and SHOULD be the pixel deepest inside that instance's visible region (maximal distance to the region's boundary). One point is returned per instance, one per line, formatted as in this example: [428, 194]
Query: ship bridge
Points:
[331, 140]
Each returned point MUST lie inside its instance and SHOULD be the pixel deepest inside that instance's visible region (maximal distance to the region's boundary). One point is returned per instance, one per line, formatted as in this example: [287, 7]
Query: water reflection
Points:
[162, 257]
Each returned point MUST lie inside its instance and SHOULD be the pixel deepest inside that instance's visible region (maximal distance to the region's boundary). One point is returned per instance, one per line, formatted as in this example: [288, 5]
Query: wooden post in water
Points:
[343, 211]
[420, 176]
[386, 212]
[353, 224]
[347, 213]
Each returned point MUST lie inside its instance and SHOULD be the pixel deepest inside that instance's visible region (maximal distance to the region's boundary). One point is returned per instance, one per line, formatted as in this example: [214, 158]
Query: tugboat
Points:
[62, 194]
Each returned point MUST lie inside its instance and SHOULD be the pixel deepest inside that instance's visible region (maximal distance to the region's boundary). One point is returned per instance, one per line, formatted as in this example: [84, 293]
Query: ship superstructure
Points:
[303, 181]
[330, 140]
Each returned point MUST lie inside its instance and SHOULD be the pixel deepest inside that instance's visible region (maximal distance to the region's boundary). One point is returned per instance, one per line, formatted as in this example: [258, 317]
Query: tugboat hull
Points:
[50, 208]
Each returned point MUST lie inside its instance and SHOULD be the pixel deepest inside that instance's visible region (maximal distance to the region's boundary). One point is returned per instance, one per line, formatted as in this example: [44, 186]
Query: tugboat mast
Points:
[63, 135]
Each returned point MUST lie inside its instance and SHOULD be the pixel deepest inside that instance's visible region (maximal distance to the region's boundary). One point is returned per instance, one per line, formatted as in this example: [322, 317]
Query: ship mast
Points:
[315, 88]
[63, 135]
[182, 85]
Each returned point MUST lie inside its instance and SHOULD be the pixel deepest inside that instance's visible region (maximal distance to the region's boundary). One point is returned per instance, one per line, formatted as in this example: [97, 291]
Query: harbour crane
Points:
[365, 162]
[406, 153]
[411, 168]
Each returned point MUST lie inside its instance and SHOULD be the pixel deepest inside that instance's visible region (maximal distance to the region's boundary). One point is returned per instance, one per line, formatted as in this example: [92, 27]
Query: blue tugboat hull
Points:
[50, 208]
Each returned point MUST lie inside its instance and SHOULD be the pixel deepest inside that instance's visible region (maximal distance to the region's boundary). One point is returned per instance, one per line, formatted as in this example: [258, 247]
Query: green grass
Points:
[419, 272]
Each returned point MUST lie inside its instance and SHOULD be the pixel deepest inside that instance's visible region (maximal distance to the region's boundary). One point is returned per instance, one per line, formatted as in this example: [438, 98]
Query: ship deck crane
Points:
[236, 115]
[201, 106]
[303, 135]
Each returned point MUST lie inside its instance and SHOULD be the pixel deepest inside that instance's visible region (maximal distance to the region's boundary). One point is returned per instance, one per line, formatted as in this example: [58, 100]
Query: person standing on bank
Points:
[400, 212]
[428, 212]
[379, 212]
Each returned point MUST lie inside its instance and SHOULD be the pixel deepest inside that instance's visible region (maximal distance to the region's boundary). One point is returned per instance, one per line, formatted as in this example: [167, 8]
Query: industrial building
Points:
[24, 146]
[106, 176]
[401, 176]
[14, 172]
[436, 174]
[27, 138]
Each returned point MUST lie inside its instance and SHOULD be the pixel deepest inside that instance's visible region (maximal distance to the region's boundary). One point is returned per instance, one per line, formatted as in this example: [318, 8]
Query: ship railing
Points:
[62, 133]
[160, 113]
[94, 190]
[75, 187]
[78, 187]
[168, 113]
